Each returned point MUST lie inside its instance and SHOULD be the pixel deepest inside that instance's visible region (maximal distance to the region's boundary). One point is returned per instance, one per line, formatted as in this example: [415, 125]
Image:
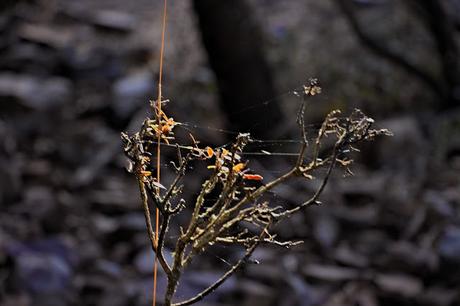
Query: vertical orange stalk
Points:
[158, 114]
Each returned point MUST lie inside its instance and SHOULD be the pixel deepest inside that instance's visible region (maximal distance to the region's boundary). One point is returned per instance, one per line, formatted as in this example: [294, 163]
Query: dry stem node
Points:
[237, 216]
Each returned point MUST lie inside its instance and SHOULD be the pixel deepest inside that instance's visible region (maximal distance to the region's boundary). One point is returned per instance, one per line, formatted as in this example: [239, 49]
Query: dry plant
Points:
[238, 216]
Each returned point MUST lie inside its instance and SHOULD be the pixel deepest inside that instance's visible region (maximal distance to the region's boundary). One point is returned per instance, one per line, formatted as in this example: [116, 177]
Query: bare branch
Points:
[237, 204]
[224, 277]
[385, 52]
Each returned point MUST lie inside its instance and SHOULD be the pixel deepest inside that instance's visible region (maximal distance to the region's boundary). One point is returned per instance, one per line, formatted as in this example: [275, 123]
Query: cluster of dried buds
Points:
[138, 148]
[224, 157]
[161, 129]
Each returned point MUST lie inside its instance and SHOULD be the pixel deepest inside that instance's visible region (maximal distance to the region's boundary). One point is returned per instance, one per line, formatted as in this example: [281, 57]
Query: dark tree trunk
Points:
[442, 29]
[233, 42]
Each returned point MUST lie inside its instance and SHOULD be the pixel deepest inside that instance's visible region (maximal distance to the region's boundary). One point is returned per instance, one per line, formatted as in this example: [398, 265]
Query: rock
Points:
[439, 296]
[303, 293]
[115, 195]
[325, 230]
[56, 37]
[109, 268]
[42, 267]
[39, 201]
[346, 255]
[363, 215]
[352, 293]
[400, 284]
[134, 221]
[87, 173]
[330, 273]
[10, 165]
[370, 243]
[95, 64]
[290, 262]
[132, 92]
[33, 93]
[29, 58]
[449, 244]
[256, 293]
[404, 255]
[16, 300]
[10, 180]
[400, 156]
[90, 251]
[103, 224]
[114, 20]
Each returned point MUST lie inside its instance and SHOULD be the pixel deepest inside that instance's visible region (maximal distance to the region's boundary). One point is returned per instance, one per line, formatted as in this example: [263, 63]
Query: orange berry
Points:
[253, 177]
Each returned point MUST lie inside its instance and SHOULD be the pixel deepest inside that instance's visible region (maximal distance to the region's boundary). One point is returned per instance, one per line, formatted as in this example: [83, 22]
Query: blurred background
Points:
[74, 74]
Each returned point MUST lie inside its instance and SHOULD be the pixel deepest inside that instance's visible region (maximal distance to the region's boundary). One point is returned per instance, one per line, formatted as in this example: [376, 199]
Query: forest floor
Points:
[74, 74]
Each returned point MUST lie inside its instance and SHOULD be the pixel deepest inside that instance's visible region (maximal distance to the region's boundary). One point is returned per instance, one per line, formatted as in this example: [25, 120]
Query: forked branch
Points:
[237, 216]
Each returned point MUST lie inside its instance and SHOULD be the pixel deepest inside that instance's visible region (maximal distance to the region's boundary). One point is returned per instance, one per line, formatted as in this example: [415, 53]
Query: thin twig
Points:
[218, 222]
[158, 114]
[224, 277]
[384, 51]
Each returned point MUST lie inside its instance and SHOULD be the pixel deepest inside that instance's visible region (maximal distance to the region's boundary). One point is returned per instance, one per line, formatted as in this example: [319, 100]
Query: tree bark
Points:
[442, 29]
[234, 44]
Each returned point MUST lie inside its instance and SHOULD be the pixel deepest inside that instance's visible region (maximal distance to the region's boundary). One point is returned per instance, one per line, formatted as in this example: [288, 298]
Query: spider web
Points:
[261, 147]
[269, 155]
